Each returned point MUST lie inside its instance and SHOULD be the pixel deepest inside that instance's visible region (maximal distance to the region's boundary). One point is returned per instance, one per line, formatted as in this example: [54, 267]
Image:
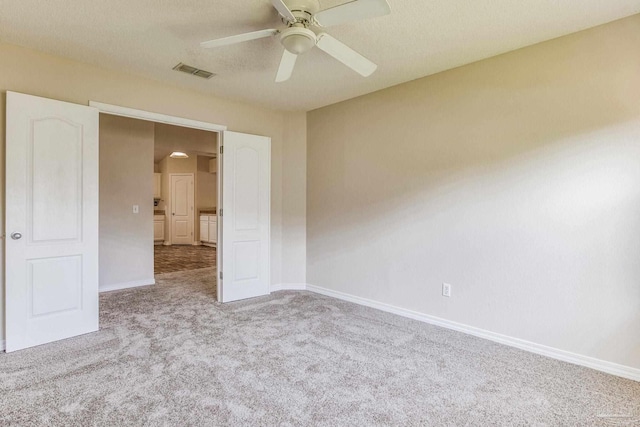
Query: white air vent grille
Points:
[193, 71]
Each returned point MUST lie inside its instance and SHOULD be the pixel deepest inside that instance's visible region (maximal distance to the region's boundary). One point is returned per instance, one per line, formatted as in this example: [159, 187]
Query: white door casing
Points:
[182, 209]
[245, 223]
[52, 201]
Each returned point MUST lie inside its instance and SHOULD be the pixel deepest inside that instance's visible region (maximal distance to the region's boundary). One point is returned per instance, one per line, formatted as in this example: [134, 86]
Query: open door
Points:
[245, 216]
[51, 220]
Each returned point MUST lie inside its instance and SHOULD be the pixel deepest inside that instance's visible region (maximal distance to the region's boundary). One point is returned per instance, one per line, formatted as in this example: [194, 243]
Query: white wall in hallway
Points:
[126, 179]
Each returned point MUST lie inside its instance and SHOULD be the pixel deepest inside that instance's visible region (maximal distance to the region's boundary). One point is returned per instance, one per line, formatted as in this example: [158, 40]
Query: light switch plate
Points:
[136, 209]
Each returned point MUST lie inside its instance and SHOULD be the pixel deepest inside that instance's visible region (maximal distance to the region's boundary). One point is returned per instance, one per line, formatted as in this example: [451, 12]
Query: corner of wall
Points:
[294, 197]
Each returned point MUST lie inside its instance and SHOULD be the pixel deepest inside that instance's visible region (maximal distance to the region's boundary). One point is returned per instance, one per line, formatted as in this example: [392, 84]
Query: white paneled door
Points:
[51, 220]
[245, 223]
[182, 209]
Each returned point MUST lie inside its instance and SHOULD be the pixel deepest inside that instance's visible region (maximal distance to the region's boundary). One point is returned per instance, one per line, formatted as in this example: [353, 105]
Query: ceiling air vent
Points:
[193, 71]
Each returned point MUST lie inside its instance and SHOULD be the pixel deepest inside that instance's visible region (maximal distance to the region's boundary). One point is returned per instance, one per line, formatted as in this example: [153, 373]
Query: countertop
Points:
[208, 212]
[158, 212]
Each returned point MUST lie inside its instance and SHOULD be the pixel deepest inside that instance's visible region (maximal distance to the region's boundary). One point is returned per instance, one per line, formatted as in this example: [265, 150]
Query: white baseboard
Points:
[3, 347]
[127, 285]
[288, 287]
[554, 353]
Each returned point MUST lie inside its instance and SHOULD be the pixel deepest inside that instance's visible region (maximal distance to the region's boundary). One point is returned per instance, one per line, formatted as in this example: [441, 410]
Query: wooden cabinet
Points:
[158, 228]
[204, 228]
[157, 185]
[209, 230]
[213, 229]
[213, 165]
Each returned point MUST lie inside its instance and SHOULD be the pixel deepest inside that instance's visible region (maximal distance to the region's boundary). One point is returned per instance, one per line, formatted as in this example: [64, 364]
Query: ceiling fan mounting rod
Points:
[302, 17]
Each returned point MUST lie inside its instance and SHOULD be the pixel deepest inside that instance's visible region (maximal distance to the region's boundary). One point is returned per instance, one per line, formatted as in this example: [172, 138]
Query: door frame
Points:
[193, 210]
[149, 116]
[156, 117]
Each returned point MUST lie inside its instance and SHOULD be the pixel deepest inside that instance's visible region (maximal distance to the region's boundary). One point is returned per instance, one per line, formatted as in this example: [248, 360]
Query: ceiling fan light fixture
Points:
[298, 40]
[179, 155]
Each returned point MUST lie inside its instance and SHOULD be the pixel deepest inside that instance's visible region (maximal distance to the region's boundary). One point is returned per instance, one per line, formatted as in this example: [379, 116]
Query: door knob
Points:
[16, 236]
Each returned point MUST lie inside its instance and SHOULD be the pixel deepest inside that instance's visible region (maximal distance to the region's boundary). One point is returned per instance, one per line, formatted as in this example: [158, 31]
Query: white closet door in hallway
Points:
[182, 209]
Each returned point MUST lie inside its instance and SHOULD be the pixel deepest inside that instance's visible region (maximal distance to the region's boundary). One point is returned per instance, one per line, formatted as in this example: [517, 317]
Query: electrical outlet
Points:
[136, 209]
[446, 290]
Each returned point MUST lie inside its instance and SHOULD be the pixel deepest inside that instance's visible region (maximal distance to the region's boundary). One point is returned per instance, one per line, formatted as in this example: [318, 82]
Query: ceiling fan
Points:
[298, 37]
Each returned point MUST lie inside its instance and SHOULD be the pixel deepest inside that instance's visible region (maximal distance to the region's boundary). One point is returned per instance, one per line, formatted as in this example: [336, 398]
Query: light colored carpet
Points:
[169, 355]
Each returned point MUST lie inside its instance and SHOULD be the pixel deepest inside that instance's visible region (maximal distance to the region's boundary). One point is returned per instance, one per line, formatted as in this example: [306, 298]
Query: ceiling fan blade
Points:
[283, 10]
[286, 66]
[346, 55]
[352, 11]
[238, 38]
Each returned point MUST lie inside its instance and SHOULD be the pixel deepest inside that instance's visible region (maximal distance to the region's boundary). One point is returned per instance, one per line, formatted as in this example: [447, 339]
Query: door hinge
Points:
[220, 212]
[221, 275]
[221, 149]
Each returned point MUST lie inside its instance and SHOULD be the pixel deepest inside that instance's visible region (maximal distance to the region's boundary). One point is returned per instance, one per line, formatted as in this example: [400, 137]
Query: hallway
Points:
[168, 259]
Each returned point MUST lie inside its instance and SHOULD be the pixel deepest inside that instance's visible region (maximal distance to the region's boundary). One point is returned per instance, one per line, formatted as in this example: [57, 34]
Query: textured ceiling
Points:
[420, 37]
[169, 138]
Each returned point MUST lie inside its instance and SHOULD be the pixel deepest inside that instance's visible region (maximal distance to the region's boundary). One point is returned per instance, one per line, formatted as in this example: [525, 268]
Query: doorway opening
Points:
[244, 188]
[185, 199]
[156, 182]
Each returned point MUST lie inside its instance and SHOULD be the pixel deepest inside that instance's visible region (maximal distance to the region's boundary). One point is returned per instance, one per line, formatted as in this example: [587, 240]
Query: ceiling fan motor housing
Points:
[298, 39]
[310, 7]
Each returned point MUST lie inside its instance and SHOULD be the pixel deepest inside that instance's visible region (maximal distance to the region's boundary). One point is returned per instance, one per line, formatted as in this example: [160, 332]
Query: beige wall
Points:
[294, 185]
[178, 165]
[126, 179]
[207, 183]
[35, 73]
[515, 179]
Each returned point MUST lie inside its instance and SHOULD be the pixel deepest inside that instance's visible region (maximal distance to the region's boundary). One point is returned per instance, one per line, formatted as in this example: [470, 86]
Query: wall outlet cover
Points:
[446, 290]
